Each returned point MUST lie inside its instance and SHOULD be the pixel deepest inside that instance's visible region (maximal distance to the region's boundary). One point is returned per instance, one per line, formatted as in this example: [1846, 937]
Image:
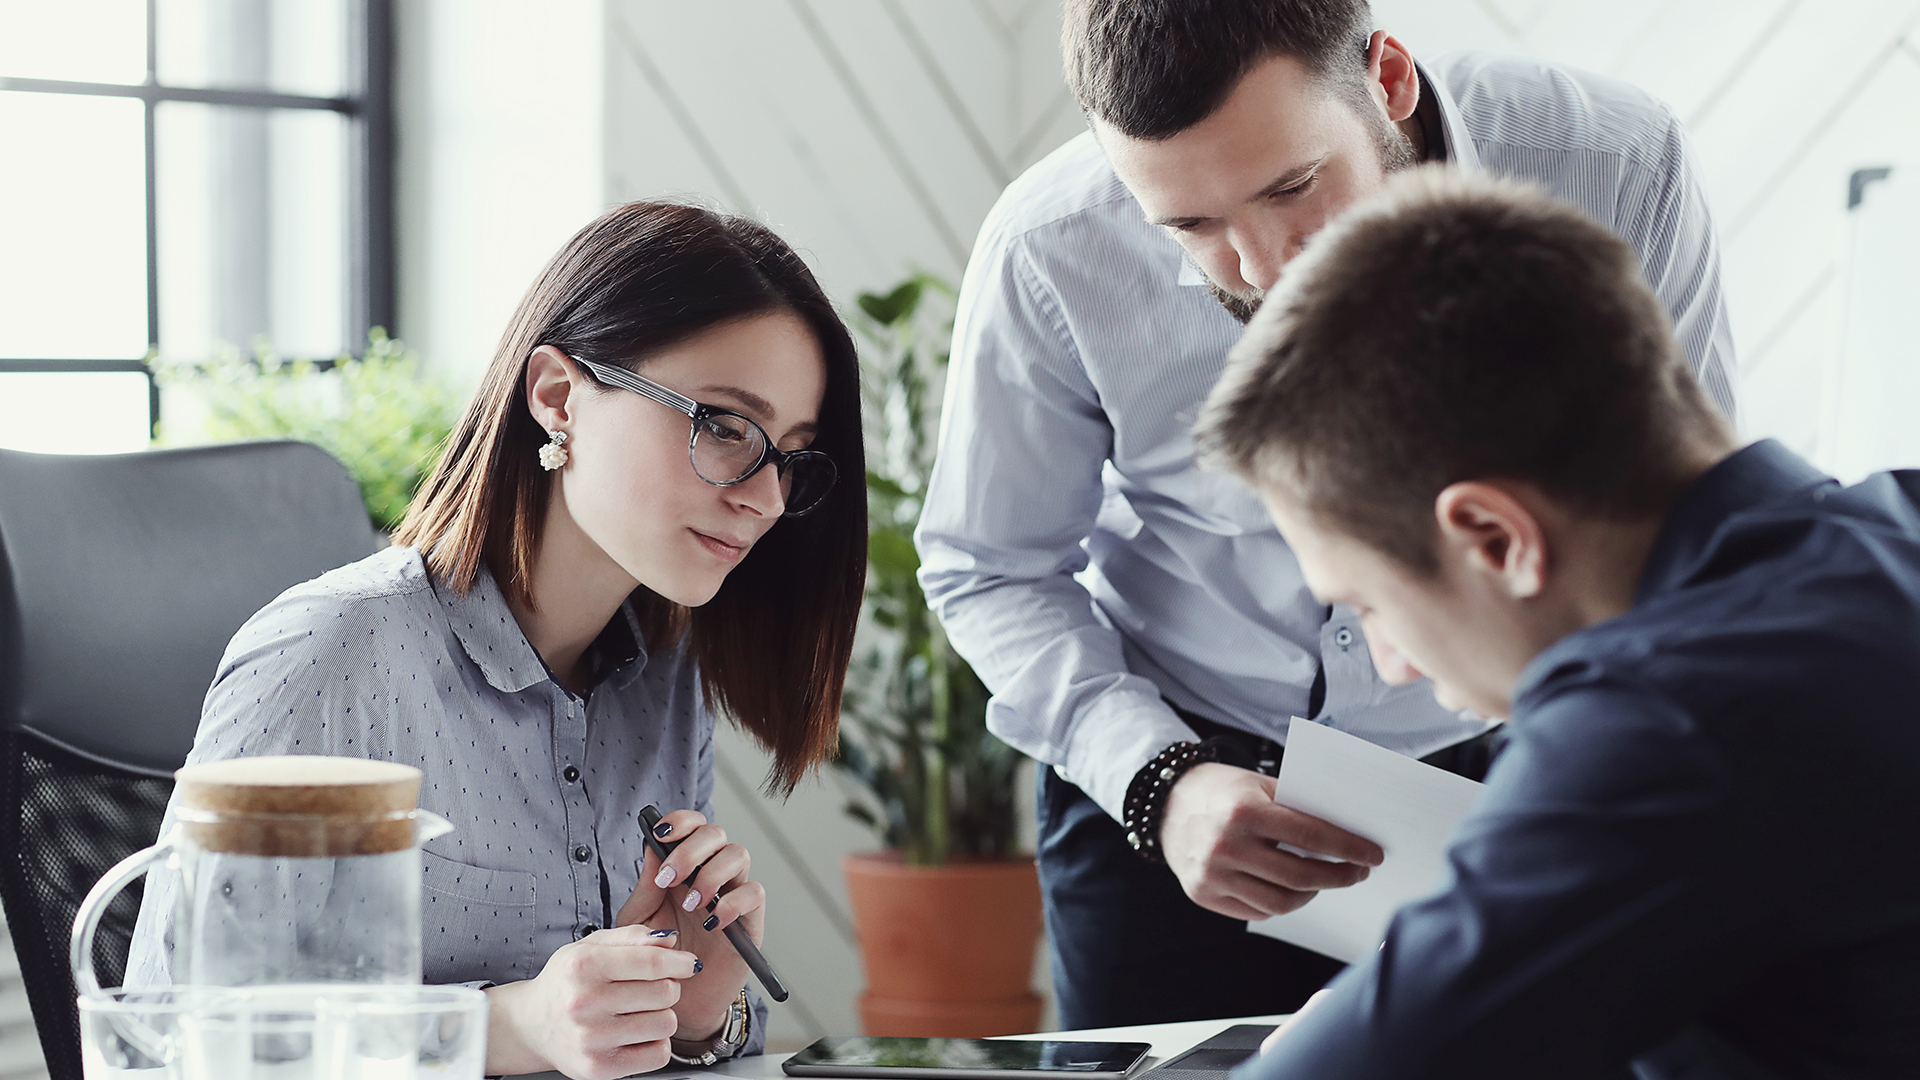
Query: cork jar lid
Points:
[302, 806]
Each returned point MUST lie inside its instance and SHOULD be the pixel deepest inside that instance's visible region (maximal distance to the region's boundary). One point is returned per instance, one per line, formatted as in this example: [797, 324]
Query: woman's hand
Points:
[603, 1007]
[700, 890]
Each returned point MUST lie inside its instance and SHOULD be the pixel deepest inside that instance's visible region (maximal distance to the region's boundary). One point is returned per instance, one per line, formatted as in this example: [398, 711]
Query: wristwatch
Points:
[731, 1040]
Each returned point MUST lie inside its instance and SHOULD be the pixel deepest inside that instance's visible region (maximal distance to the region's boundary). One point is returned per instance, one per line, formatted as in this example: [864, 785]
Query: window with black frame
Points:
[179, 178]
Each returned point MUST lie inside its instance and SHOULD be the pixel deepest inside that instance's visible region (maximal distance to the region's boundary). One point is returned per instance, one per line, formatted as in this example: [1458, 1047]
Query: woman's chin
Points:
[691, 591]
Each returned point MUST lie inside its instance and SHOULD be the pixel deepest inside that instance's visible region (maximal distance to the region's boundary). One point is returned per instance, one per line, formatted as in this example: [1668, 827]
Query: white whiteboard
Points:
[1871, 414]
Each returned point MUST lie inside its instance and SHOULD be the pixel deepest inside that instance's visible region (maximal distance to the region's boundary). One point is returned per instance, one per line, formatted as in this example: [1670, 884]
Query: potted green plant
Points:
[949, 914]
[376, 412]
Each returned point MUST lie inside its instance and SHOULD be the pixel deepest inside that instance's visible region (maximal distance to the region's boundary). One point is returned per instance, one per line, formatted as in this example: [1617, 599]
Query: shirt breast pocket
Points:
[477, 923]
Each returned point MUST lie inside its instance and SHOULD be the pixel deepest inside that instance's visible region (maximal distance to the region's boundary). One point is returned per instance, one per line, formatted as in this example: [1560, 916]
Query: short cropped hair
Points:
[1154, 68]
[1458, 328]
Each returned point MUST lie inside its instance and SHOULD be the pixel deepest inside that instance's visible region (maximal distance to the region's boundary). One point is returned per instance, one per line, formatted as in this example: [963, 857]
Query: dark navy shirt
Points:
[1699, 856]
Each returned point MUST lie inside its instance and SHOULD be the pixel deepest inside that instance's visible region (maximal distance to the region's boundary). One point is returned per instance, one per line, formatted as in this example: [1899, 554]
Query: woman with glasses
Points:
[651, 512]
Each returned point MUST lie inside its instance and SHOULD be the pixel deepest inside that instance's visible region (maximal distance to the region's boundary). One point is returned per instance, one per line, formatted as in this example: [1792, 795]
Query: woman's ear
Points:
[553, 380]
[1489, 532]
[1391, 76]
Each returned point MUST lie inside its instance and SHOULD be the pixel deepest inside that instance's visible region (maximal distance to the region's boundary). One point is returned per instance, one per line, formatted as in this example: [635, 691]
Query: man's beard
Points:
[1239, 305]
[1395, 152]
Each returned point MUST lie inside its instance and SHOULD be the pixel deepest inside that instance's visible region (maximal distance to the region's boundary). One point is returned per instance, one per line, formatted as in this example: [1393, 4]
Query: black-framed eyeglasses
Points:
[727, 448]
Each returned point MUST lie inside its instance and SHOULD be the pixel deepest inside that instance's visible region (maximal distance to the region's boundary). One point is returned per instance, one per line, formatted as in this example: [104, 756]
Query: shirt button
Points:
[1343, 637]
[570, 774]
[587, 929]
[582, 853]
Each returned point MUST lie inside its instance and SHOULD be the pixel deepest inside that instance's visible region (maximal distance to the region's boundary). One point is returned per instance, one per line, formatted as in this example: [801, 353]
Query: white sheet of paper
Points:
[1406, 806]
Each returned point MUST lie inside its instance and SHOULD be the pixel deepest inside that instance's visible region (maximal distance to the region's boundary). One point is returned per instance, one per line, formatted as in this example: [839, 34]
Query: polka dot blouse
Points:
[544, 789]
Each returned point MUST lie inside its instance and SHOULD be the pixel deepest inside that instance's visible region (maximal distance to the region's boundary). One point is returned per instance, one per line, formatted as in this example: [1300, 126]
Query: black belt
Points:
[1263, 753]
[1470, 758]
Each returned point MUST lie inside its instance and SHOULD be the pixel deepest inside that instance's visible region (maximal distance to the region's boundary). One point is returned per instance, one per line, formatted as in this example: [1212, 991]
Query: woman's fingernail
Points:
[664, 878]
[698, 965]
[692, 901]
[663, 933]
[663, 830]
[712, 921]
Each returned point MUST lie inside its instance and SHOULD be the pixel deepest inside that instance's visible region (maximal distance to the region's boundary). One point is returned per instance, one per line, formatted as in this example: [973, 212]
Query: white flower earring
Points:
[554, 453]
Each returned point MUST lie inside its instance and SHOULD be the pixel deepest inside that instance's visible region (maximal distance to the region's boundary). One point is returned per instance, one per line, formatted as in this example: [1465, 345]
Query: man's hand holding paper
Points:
[1410, 807]
[1220, 836]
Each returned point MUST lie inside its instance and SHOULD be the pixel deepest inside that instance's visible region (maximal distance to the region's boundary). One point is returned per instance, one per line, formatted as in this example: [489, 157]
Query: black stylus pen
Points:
[756, 962]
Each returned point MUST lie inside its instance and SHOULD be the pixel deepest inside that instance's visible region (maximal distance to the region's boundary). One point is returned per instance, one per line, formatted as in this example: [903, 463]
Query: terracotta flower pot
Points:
[948, 949]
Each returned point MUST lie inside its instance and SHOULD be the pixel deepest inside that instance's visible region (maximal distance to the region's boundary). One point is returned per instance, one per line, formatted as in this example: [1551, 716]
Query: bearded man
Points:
[1144, 628]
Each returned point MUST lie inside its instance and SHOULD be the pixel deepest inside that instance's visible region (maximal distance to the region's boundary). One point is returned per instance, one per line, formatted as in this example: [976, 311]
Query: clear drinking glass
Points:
[407, 1031]
[333, 1032]
[135, 1034]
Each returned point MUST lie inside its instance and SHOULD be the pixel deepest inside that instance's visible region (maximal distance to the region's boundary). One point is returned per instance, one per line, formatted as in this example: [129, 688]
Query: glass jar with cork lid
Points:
[298, 869]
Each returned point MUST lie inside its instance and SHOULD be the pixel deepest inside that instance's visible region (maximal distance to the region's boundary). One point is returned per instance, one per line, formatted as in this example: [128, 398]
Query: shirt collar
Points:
[1456, 146]
[1456, 143]
[1759, 474]
[499, 648]
[611, 658]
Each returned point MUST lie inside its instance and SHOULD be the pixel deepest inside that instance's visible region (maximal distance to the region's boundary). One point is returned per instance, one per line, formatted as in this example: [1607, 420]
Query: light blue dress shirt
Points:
[377, 660]
[1078, 556]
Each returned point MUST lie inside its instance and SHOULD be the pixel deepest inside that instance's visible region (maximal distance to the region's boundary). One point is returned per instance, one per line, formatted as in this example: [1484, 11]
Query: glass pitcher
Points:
[290, 870]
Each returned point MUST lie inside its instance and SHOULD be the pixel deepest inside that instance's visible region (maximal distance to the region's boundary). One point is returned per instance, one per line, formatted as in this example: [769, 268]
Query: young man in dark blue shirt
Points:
[1699, 855]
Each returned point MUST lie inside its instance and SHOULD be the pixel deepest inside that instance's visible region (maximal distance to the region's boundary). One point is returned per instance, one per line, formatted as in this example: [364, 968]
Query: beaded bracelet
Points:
[1146, 802]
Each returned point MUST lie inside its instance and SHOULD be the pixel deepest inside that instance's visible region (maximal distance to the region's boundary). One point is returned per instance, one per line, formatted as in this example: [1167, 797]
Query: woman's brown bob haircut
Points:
[1458, 328]
[774, 642]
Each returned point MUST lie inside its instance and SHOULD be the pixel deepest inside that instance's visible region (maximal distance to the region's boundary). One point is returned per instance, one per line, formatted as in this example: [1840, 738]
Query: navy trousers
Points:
[1129, 947]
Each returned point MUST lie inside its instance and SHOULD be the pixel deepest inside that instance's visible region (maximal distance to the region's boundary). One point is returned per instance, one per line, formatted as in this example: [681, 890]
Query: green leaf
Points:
[895, 307]
[377, 413]
[883, 486]
[892, 554]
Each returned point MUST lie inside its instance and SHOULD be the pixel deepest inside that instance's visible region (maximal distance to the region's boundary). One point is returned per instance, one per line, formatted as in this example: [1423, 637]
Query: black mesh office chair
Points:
[122, 577]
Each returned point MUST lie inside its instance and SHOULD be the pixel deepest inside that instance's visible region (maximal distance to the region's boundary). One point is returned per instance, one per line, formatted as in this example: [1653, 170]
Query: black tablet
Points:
[965, 1059]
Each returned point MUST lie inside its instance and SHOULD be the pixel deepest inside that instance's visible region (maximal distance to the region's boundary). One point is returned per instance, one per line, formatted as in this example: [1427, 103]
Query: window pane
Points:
[73, 227]
[82, 40]
[289, 46]
[253, 230]
[84, 412]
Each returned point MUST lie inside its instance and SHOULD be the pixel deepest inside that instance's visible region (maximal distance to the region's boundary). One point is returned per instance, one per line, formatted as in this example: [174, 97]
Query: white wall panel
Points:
[1874, 382]
[499, 138]
[874, 134]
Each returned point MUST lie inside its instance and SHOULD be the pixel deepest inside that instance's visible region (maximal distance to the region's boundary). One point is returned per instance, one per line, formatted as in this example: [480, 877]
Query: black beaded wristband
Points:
[1146, 802]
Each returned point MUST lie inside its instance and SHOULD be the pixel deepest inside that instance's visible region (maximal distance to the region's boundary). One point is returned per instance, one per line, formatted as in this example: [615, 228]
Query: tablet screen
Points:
[971, 1055]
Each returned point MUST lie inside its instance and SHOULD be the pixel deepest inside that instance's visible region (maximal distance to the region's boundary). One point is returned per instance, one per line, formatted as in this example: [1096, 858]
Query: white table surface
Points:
[1167, 1040]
